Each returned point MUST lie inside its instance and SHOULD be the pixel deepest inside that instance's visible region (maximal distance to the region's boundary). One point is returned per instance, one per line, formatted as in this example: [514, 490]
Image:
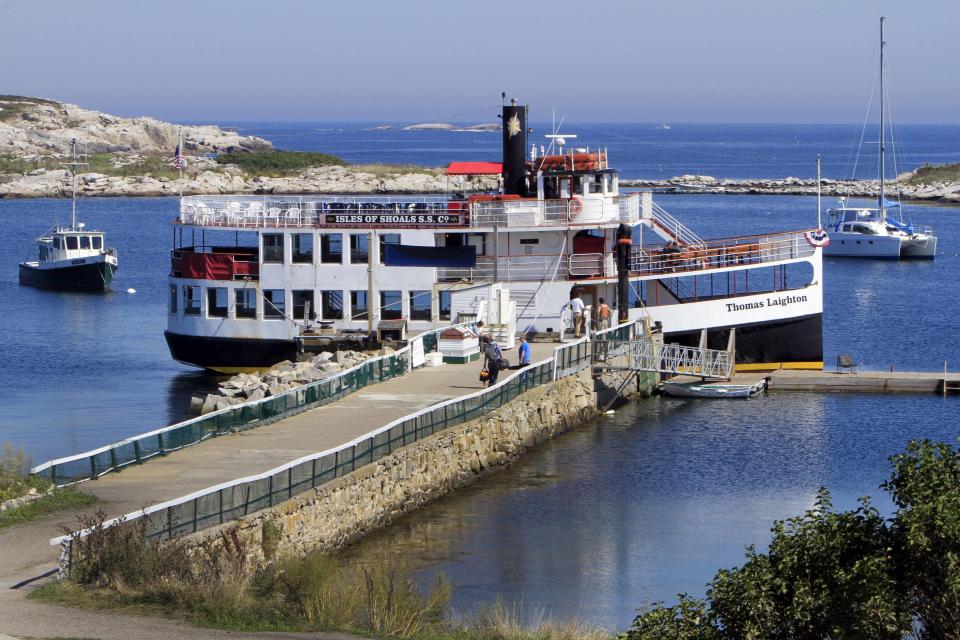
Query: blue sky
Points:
[420, 60]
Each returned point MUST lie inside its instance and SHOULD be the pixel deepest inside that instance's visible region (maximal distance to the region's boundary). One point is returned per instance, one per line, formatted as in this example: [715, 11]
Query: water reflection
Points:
[652, 501]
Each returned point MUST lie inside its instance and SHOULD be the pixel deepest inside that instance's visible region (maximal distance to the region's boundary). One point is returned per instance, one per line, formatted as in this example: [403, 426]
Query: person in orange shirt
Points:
[603, 315]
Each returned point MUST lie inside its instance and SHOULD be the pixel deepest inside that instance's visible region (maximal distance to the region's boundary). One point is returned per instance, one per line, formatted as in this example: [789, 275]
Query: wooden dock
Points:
[860, 382]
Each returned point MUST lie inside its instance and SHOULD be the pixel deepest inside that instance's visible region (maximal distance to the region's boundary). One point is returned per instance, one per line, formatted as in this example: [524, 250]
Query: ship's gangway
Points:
[647, 354]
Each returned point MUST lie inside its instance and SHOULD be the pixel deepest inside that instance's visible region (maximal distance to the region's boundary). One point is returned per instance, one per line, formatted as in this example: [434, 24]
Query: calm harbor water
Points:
[634, 508]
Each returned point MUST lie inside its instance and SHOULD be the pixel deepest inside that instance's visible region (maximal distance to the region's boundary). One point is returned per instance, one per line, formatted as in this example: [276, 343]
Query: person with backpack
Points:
[491, 359]
[603, 315]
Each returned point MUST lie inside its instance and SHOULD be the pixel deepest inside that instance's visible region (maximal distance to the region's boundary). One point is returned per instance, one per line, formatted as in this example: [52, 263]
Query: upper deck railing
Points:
[721, 253]
[271, 212]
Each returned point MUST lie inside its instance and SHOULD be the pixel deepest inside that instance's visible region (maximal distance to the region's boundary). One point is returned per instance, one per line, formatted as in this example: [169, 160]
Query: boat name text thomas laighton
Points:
[392, 218]
[770, 302]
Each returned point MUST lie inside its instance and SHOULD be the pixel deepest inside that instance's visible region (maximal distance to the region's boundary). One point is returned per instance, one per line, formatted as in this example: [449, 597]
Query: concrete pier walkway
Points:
[860, 382]
[242, 454]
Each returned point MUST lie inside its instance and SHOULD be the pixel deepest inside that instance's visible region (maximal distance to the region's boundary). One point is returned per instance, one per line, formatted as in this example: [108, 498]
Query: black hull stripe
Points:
[95, 276]
[229, 353]
[794, 340]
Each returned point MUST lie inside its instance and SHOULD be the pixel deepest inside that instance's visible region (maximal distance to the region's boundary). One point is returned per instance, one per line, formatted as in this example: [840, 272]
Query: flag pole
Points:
[819, 224]
[180, 159]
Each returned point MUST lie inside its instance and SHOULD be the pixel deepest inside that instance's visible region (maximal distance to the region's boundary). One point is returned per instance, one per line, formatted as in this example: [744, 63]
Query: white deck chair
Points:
[292, 217]
[272, 215]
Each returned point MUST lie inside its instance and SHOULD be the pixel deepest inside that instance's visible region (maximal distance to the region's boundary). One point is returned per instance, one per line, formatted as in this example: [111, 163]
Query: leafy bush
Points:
[279, 163]
[842, 575]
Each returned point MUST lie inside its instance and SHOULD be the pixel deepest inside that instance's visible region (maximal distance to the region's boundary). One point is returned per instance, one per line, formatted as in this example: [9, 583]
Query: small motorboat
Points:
[712, 390]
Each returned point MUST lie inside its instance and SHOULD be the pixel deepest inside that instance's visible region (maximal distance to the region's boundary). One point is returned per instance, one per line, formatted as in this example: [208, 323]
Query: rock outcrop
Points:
[205, 177]
[37, 127]
[247, 387]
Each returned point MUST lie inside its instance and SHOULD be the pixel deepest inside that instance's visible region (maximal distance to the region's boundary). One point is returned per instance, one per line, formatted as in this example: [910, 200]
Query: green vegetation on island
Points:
[279, 163]
[933, 173]
[15, 482]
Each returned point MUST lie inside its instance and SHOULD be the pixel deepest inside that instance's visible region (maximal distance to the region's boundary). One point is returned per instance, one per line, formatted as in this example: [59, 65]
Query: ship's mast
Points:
[73, 164]
[883, 150]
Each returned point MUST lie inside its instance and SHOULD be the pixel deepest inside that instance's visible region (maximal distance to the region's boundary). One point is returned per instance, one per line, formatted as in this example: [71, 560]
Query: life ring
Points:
[576, 207]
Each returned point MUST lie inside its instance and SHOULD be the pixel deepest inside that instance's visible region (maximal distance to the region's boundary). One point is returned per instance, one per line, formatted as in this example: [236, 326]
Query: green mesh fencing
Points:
[135, 450]
[222, 504]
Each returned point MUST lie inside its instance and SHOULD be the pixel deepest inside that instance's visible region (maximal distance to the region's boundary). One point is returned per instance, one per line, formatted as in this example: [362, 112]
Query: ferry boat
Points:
[256, 278]
[71, 258]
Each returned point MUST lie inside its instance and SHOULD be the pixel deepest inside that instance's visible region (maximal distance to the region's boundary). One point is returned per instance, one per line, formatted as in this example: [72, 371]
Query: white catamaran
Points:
[255, 279]
[867, 232]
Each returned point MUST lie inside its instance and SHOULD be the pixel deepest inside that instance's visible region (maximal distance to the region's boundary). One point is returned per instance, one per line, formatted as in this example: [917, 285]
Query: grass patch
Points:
[57, 500]
[118, 568]
[111, 164]
[383, 170]
[279, 163]
[15, 482]
[931, 173]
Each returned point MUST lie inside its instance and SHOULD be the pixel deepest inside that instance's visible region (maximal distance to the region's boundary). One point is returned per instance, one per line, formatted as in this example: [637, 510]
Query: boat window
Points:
[595, 185]
[302, 248]
[445, 300]
[272, 247]
[71, 242]
[173, 298]
[385, 239]
[84, 242]
[303, 305]
[359, 248]
[358, 305]
[331, 248]
[331, 305]
[56, 242]
[217, 301]
[246, 300]
[273, 306]
[391, 305]
[43, 254]
[420, 305]
[97, 242]
[191, 300]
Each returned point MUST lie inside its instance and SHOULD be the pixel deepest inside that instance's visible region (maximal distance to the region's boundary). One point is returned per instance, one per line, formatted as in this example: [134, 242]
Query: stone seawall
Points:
[348, 508]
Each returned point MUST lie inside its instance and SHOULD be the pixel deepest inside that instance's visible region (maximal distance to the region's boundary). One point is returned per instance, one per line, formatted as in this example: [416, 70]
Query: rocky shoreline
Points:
[206, 177]
[940, 192]
[281, 377]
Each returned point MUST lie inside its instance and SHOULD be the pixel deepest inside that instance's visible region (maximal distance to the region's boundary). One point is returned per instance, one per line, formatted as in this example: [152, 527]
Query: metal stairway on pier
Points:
[652, 355]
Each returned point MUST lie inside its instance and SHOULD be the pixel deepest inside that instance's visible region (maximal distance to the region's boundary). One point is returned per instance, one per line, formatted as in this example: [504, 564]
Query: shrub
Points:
[925, 485]
[15, 479]
[278, 163]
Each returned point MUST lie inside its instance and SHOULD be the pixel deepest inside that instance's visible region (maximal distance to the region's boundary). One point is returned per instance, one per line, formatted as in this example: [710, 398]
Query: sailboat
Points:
[871, 232]
[71, 258]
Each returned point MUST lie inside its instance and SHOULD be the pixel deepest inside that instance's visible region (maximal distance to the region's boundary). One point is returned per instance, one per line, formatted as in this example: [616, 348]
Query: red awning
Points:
[473, 168]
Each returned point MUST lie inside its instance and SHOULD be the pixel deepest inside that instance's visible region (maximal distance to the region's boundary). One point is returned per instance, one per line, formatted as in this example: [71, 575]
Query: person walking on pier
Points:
[491, 359]
[576, 308]
[603, 315]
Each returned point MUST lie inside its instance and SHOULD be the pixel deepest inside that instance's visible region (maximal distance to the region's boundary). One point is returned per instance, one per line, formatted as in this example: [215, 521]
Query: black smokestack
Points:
[514, 149]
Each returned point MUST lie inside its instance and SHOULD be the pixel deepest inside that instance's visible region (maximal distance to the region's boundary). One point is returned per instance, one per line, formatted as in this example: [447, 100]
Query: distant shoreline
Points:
[345, 180]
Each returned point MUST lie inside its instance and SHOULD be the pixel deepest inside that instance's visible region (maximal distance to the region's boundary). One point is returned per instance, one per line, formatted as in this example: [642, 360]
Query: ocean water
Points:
[643, 150]
[637, 507]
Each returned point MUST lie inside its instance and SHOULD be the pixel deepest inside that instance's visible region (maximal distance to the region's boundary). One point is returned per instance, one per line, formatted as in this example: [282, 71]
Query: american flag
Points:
[179, 162]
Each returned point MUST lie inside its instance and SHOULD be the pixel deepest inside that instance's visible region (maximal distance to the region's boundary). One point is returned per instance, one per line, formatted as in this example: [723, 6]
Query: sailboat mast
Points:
[73, 176]
[883, 149]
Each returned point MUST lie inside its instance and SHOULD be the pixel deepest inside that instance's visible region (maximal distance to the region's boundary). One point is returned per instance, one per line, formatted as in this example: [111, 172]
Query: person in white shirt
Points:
[576, 308]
